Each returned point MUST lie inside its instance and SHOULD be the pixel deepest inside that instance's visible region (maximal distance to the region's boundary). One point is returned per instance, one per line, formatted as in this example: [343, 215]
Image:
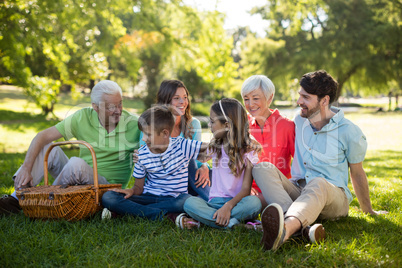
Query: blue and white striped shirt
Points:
[167, 173]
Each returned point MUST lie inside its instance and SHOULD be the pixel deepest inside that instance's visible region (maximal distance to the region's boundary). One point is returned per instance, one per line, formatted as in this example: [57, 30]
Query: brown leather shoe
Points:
[9, 205]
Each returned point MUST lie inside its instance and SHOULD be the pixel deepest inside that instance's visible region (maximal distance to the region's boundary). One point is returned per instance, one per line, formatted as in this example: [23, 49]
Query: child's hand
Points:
[135, 156]
[202, 177]
[128, 192]
[222, 215]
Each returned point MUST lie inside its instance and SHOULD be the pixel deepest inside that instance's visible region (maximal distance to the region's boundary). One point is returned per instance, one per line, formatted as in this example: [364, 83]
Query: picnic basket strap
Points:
[95, 164]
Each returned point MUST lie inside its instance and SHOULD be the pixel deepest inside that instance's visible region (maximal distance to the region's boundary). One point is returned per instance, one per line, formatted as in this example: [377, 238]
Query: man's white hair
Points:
[258, 81]
[104, 87]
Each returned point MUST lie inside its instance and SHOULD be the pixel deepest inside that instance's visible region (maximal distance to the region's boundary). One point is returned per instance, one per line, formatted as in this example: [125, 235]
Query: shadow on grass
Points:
[21, 121]
[350, 241]
[383, 164]
[10, 94]
[10, 116]
[22, 127]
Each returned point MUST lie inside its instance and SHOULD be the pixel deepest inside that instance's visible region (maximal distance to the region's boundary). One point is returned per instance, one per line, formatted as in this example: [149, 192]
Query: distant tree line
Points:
[46, 45]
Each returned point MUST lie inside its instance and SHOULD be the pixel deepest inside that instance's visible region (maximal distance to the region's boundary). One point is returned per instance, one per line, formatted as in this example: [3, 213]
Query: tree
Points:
[59, 40]
[349, 39]
[208, 53]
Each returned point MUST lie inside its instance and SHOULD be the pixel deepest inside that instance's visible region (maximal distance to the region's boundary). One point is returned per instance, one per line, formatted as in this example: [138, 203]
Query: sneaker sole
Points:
[272, 218]
[106, 214]
[316, 233]
[179, 222]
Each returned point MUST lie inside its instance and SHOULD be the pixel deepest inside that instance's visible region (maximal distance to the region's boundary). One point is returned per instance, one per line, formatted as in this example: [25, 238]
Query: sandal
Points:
[188, 224]
[256, 225]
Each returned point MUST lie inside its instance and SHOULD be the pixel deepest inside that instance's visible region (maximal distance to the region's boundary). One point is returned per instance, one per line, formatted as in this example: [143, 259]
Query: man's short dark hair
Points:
[320, 83]
[159, 117]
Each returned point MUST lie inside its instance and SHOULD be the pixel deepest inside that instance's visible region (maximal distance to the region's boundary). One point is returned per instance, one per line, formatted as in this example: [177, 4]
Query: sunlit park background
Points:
[52, 52]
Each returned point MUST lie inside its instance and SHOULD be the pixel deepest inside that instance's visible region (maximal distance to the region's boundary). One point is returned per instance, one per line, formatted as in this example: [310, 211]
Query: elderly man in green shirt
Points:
[112, 132]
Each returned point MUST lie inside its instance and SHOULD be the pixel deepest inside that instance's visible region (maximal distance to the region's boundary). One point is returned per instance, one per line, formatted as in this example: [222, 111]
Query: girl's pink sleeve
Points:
[253, 157]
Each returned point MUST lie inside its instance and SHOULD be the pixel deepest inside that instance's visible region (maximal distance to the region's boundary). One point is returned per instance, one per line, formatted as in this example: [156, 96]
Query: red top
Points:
[277, 139]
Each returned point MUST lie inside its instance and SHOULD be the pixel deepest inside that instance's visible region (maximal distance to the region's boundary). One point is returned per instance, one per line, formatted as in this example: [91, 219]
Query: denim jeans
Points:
[248, 208]
[192, 189]
[150, 206]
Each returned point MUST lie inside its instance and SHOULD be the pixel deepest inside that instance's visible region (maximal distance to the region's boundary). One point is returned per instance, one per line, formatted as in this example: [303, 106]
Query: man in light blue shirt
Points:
[326, 145]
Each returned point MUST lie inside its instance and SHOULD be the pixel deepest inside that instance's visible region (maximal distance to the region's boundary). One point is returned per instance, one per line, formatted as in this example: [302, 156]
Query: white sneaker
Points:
[314, 234]
[106, 214]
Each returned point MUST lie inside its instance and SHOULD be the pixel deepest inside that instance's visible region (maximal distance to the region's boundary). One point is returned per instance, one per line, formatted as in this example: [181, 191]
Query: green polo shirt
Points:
[113, 150]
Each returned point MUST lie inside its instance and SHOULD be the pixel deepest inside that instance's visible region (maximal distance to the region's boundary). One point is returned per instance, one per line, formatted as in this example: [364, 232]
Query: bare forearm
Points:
[360, 185]
[138, 187]
[24, 177]
[34, 148]
[202, 155]
[37, 144]
[233, 202]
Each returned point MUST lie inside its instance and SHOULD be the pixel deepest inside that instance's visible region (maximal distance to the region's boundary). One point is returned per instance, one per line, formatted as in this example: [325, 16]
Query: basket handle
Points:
[95, 164]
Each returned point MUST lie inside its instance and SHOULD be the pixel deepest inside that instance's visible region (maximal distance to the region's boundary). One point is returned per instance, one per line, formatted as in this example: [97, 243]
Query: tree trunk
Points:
[390, 101]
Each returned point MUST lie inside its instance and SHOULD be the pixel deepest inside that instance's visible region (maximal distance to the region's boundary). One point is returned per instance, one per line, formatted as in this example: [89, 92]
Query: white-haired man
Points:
[112, 132]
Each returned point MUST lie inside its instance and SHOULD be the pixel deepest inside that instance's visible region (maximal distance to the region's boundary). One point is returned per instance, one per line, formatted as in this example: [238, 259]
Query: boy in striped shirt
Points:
[164, 162]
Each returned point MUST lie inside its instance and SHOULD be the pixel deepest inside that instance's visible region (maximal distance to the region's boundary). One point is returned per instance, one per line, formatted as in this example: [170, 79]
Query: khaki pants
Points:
[65, 171]
[306, 202]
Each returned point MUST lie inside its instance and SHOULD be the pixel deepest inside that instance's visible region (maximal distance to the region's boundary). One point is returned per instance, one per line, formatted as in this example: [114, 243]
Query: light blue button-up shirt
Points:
[326, 153]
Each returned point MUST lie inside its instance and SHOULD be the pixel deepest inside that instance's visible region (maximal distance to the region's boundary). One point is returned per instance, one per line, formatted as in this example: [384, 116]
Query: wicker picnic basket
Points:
[71, 203]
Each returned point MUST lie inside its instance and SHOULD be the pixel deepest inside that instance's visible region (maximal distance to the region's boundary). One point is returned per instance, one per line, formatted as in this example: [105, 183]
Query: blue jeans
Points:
[248, 208]
[192, 189]
[150, 206]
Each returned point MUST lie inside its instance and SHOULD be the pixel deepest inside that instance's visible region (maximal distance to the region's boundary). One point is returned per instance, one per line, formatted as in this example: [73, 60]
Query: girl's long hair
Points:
[238, 137]
[166, 91]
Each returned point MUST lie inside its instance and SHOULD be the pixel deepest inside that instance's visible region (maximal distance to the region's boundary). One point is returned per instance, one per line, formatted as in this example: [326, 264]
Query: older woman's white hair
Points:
[104, 87]
[258, 81]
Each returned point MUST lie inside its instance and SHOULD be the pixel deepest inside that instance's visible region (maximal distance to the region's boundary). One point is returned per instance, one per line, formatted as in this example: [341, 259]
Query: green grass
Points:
[356, 241]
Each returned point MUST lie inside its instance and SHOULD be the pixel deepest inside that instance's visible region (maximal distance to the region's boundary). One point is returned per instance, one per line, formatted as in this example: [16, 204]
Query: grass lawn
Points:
[356, 241]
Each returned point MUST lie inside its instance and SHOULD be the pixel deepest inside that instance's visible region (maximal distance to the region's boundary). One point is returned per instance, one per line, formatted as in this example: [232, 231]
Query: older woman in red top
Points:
[275, 132]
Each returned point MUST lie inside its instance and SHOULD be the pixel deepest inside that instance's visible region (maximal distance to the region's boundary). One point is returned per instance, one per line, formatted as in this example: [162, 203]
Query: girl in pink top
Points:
[233, 154]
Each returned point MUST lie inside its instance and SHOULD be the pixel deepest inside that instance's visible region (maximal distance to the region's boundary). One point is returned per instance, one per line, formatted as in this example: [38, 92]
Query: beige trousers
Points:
[306, 202]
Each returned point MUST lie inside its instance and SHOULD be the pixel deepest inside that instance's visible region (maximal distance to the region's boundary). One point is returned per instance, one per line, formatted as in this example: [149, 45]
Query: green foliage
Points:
[60, 40]
[79, 43]
[212, 59]
[201, 109]
[355, 41]
[43, 91]
[196, 85]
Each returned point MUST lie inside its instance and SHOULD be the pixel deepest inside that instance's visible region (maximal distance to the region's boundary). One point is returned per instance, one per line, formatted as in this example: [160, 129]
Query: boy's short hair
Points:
[320, 83]
[159, 117]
